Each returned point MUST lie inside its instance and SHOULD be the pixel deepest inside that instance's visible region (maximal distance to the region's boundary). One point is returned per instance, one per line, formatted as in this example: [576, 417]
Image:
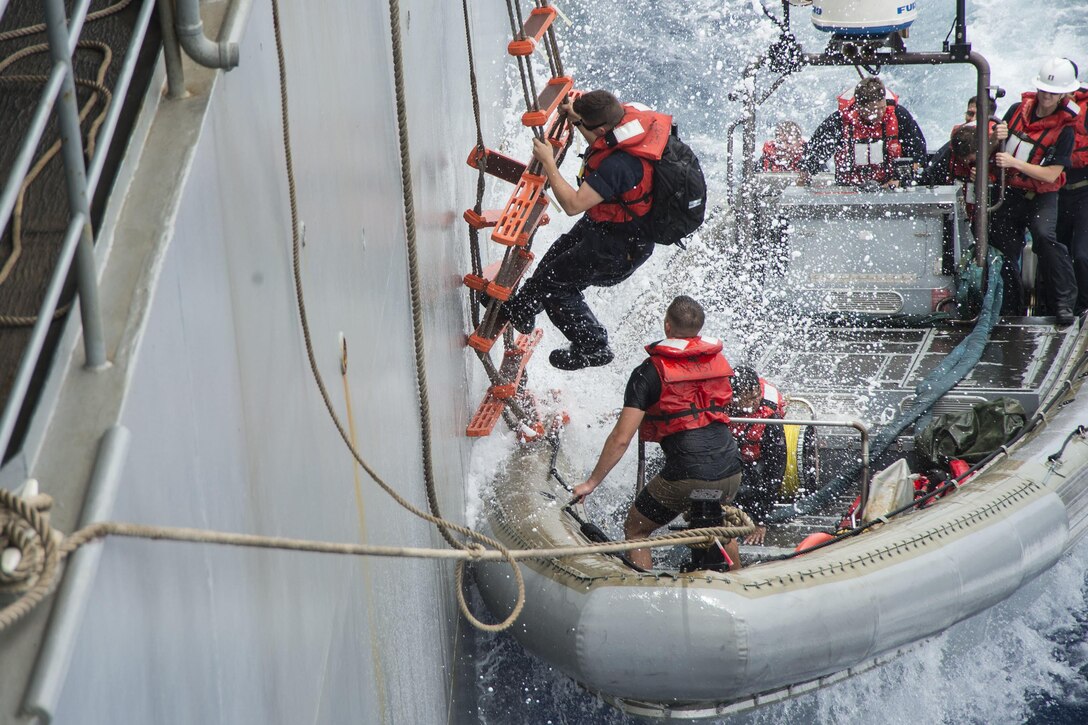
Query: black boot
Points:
[576, 358]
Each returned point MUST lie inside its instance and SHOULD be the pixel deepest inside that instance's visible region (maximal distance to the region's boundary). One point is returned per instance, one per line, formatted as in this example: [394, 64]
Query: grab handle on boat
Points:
[857, 425]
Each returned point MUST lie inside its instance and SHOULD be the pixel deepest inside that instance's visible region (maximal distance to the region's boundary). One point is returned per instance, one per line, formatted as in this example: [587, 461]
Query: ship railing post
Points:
[67, 108]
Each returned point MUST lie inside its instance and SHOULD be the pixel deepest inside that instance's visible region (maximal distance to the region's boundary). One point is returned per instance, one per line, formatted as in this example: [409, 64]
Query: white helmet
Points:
[1058, 75]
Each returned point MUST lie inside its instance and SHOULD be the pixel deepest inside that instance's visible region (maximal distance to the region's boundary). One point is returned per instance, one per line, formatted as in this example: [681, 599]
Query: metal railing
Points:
[59, 96]
[855, 424]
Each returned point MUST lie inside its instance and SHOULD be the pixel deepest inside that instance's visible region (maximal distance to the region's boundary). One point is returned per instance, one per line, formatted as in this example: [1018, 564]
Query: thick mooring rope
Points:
[38, 545]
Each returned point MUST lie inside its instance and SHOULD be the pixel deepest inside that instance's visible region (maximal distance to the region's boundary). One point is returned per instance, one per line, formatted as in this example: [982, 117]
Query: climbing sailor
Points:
[607, 244]
[866, 135]
[678, 397]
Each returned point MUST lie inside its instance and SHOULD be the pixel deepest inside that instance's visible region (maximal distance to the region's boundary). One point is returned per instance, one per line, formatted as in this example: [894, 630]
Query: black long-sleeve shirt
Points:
[829, 135]
[762, 478]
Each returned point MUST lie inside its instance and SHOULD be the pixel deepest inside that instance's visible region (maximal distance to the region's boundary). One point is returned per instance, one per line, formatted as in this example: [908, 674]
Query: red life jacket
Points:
[785, 158]
[643, 134]
[750, 435]
[867, 151]
[1080, 143]
[1031, 140]
[695, 388]
[961, 170]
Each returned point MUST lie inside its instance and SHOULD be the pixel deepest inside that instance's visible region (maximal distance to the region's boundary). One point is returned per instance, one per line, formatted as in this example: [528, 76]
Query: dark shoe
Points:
[575, 358]
[1065, 317]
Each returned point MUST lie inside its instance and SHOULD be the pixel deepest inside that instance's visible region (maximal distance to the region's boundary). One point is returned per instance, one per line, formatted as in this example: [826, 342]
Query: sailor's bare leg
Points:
[638, 526]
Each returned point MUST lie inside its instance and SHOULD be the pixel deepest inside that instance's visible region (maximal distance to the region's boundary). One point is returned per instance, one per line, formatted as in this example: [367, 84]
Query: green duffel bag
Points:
[971, 435]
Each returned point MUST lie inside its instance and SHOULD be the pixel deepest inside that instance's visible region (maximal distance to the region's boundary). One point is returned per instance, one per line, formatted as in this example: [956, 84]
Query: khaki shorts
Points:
[671, 497]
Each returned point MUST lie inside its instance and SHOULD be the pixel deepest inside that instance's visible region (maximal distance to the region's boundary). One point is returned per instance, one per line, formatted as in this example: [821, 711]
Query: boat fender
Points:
[813, 540]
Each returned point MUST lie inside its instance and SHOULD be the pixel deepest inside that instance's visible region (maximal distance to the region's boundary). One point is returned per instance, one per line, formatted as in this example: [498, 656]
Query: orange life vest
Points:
[785, 158]
[695, 388]
[961, 170]
[643, 134]
[867, 150]
[1030, 140]
[750, 435]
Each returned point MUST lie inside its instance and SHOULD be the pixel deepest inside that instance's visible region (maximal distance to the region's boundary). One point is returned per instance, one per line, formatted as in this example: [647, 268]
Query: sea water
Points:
[1024, 660]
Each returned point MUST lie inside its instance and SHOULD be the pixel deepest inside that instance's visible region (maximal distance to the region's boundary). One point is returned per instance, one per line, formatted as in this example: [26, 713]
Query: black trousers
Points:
[1073, 233]
[1056, 283]
[592, 254]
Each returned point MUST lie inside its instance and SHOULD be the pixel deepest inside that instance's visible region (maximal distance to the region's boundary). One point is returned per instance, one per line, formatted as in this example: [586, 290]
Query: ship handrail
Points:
[58, 96]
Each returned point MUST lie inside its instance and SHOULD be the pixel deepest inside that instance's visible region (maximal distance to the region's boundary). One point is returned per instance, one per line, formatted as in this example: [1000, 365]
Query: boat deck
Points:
[871, 373]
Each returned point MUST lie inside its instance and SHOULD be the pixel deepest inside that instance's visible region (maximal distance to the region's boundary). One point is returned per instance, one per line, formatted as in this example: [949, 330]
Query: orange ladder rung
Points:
[491, 327]
[489, 218]
[497, 165]
[554, 92]
[485, 418]
[481, 281]
[511, 229]
[501, 284]
[540, 19]
[513, 364]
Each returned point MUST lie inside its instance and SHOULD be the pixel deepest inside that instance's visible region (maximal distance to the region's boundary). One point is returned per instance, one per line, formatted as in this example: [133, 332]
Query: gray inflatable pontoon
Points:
[676, 645]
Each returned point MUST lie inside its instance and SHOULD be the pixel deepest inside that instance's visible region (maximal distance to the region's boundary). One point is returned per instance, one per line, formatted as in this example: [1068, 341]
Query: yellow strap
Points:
[791, 481]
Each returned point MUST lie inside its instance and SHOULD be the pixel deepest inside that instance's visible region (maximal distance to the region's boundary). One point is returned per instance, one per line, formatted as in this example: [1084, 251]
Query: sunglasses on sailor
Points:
[582, 124]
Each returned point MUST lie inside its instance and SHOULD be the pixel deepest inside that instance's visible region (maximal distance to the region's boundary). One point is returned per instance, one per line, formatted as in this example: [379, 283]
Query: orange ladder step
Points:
[540, 19]
[485, 418]
[491, 327]
[497, 165]
[554, 92]
[491, 217]
[513, 228]
[513, 364]
[506, 278]
[481, 281]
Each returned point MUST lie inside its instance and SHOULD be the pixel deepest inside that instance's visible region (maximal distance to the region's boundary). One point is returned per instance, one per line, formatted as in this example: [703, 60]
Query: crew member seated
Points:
[762, 447]
[866, 136]
[784, 152]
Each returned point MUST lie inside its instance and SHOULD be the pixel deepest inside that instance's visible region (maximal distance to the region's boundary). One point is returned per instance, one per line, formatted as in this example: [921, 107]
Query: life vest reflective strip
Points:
[1030, 141]
[784, 159]
[695, 387]
[643, 134]
[750, 435]
[1080, 142]
[867, 150]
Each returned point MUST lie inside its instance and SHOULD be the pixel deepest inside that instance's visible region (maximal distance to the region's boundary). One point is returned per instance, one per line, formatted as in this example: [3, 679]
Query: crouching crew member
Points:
[678, 397]
[762, 447]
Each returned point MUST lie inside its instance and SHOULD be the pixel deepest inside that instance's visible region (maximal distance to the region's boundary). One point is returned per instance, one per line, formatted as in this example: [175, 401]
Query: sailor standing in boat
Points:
[866, 136]
[1040, 141]
[1073, 201]
[607, 244]
[678, 397]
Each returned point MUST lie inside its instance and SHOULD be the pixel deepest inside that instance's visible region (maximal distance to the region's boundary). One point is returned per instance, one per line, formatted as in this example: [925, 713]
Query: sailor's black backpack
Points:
[679, 194]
